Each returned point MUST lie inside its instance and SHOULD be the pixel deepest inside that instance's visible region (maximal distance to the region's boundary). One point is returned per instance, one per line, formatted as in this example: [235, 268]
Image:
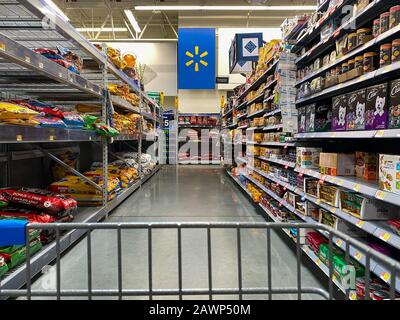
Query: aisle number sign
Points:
[196, 58]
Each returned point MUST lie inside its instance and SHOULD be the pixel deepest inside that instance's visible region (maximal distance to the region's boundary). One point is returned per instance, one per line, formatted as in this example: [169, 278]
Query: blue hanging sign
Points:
[196, 58]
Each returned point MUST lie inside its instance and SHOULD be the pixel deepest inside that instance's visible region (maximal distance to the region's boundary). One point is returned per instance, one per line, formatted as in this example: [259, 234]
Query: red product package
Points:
[50, 202]
[37, 106]
[30, 215]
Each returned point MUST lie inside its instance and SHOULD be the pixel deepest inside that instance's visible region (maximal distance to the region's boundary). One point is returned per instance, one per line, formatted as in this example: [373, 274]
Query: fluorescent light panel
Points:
[226, 8]
[100, 29]
[132, 20]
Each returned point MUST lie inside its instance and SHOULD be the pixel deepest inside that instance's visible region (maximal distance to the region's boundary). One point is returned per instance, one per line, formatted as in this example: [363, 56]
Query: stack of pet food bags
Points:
[63, 57]
[38, 114]
[125, 171]
[147, 163]
[126, 124]
[122, 90]
[35, 206]
[84, 193]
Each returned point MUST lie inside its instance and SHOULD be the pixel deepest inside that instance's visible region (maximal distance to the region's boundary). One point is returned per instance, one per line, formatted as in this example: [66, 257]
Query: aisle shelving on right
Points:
[340, 167]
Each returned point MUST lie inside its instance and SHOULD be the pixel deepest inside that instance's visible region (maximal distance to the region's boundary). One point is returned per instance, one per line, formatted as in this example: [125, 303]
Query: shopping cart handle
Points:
[12, 232]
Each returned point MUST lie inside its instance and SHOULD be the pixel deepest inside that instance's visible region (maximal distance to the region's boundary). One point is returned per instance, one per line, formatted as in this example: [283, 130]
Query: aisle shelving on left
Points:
[109, 164]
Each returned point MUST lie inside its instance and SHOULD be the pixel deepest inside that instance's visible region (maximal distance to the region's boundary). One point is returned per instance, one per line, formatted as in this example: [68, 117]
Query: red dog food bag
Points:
[47, 201]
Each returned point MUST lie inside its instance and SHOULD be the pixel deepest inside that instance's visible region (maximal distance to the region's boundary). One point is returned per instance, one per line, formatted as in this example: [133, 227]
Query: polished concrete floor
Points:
[185, 194]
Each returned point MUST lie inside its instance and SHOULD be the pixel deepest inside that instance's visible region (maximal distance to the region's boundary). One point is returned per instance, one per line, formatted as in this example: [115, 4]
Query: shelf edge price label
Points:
[357, 187]
[340, 182]
[385, 236]
[339, 242]
[353, 296]
[385, 276]
[41, 66]
[52, 138]
[27, 59]
[380, 133]
[2, 47]
[19, 137]
[358, 256]
[380, 195]
[360, 224]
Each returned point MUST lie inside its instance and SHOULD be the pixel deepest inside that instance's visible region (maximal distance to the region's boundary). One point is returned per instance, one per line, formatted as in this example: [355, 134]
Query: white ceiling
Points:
[158, 25]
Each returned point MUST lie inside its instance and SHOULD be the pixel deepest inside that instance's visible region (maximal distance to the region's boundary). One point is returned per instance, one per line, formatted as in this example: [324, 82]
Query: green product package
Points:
[324, 253]
[339, 267]
[3, 267]
[18, 253]
[93, 123]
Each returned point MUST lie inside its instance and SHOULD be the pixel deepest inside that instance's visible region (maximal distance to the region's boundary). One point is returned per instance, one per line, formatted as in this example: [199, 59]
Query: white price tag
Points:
[27, 59]
[41, 66]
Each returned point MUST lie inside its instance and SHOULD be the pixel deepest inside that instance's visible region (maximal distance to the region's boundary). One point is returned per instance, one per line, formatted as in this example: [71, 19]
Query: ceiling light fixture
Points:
[132, 20]
[102, 29]
[226, 8]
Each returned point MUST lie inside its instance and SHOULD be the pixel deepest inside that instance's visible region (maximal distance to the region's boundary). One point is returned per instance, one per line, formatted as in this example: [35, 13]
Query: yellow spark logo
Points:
[196, 53]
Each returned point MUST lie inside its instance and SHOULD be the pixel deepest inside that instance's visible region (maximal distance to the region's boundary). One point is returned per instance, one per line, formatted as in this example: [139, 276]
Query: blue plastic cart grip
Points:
[12, 232]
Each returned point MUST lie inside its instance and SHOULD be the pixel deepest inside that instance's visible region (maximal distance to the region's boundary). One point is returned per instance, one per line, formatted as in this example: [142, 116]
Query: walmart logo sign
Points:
[196, 58]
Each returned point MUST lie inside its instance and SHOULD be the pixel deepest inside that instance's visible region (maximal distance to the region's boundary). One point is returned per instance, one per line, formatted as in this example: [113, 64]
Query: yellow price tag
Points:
[385, 276]
[380, 133]
[18, 137]
[360, 224]
[357, 187]
[340, 182]
[51, 138]
[27, 59]
[380, 195]
[358, 256]
[339, 242]
[318, 202]
[2, 47]
[333, 210]
[353, 296]
[385, 236]
[333, 180]
[318, 262]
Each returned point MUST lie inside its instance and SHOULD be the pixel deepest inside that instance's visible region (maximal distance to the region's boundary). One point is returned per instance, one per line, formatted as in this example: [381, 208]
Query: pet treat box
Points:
[310, 118]
[394, 105]
[308, 157]
[337, 164]
[302, 120]
[339, 109]
[376, 108]
[366, 165]
[323, 118]
[389, 173]
[355, 115]
[365, 208]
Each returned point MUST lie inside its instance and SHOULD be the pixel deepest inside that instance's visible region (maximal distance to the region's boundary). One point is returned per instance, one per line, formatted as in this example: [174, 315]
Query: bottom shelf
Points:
[16, 278]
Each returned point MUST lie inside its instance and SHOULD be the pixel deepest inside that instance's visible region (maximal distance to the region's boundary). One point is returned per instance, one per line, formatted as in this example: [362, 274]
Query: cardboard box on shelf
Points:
[339, 110]
[355, 117]
[308, 158]
[376, 108]
[337, 164]
[328, 194]
[366, 165]
[389, 173]
[394, 105]
[365, 208]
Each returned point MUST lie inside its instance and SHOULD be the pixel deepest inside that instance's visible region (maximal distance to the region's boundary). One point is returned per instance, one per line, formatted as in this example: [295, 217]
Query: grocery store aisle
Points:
[182, 194]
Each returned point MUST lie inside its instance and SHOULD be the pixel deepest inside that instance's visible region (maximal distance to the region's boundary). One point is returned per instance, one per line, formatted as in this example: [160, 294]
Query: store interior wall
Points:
[200, 101]
[161, 64]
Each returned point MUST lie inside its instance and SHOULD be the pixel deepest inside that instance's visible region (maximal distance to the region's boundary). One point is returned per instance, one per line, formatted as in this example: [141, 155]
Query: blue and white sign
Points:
[196, 58]
[244, 50]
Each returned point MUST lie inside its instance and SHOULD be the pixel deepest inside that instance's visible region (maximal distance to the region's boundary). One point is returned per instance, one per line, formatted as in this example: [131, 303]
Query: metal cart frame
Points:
[211, 291]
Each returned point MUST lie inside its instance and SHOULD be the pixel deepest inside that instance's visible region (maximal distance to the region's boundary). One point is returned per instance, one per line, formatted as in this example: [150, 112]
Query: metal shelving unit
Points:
[377, 269]
[25, 73]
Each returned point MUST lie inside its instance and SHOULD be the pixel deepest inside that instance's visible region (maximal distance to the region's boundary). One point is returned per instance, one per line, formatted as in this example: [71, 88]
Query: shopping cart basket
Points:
[211, 291]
